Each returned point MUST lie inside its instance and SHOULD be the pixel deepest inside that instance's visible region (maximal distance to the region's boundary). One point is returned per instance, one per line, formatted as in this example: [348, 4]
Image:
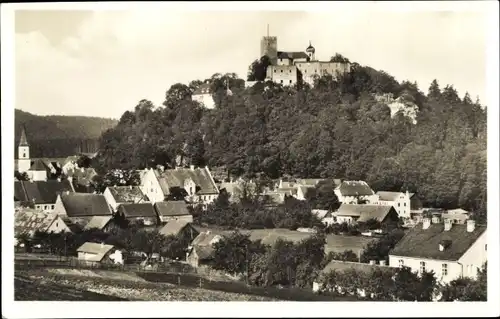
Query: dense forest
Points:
[59, 136]
[336, 128]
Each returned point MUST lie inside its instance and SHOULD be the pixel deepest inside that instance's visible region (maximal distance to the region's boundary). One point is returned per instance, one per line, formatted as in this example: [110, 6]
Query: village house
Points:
[79, 208]
[69, 164]
[92, 253]
[343, 266]
[102, 223]
[237, 189]
[203, 95]
[201, 250]
[42, 195]
[451, 251]
[197, 183]
[173, 210]
[456, 216]
[141, 213]
[355, 192]
[150, 185]
[352, 213]
[28, 221]
[179, 228]
[342, 243]
[404, 203]
[325, 216]
[117, 195]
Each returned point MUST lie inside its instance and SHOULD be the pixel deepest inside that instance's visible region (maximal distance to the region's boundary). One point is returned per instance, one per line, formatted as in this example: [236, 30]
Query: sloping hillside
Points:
[57, 135]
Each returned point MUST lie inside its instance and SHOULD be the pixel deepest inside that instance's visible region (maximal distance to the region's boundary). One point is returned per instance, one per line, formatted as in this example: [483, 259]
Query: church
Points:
[287, 65]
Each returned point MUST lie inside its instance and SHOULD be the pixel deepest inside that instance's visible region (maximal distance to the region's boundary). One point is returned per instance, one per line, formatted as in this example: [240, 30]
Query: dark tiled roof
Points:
[39, 165]
[42, 192]
[292, 55]
[83, 204]
[355, 188]
[365, 212]
[126, 194]
[98, 222]
[171, 208]
[204, 252]
[137, 210]
[337, 265]
[176, 178]
[173, 227]
[27, 221]
[424, 243]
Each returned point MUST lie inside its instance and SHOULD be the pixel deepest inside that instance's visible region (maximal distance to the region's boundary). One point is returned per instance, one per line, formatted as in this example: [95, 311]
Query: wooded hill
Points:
[59, 136]
[335, 129]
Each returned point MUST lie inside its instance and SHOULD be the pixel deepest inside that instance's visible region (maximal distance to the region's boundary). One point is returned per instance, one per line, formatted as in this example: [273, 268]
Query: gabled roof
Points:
[204, 238]
[457, 211]
[364, 212]
[98, 222]
[173, 227]
[337, 265]
[137, 210]
[292, 55]
[355, 188]
[320, 213]
[39, 165]
[83, 204]
[41, 192]
[171, 208]
[176, 177]
[27, 221]
[424, 243]
[127, 194]
[100, 250]
[270, 236]
[391, 196]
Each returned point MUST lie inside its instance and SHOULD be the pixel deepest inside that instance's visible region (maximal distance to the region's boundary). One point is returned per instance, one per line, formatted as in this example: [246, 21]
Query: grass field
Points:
[67, 284]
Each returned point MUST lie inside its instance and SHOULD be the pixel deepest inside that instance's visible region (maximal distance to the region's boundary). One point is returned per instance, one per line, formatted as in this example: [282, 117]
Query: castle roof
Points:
[292, 55]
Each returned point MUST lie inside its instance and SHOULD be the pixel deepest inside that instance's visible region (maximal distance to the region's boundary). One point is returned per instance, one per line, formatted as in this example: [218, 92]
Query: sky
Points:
[102, 63]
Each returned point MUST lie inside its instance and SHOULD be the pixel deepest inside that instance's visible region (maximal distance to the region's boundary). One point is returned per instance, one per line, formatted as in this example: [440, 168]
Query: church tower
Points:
[310, 52]
[23, 161]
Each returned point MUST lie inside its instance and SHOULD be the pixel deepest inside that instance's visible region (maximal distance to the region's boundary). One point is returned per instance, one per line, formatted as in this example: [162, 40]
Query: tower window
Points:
[290, 81]
[281, 71]
[281, 81]
[274, 71]
[24, 155]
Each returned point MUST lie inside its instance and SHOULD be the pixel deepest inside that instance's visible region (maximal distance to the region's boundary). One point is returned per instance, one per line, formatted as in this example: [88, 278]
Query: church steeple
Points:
[23, 141]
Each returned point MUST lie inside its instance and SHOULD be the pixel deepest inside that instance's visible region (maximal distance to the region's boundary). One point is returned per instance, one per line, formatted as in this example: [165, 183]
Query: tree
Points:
[116, 177]
[322, 196]
[257, 70]
[84, 161]
[466, 289]
[410, 287]
[434, 91]
[21, 176]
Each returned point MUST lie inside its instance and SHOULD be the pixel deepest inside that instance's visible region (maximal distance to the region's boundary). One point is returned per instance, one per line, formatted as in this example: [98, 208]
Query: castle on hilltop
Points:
[285, 66]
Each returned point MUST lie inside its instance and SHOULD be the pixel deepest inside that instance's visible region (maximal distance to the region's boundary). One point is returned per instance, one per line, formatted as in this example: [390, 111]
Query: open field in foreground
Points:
[68, 284]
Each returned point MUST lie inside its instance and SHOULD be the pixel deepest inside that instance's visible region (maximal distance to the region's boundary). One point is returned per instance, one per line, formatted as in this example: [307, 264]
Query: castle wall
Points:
[282, 74]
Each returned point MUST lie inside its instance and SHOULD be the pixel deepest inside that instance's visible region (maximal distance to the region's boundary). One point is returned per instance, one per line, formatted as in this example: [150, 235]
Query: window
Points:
[315, 71]
[290, 70]
[274, 71]
[305, 71]
[57, 224]
[401, 263]
[52, 206]
[290, 81]
[190, 190]
[444, 270]
[422, 266]
[281, 81]
[24, 154]
[281, 71]
[45, 207]
[485, 246]
[152, 190]
[404, 204]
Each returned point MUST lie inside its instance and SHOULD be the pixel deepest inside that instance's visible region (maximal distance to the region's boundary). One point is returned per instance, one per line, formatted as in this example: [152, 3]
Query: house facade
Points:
[355, 192]
[150, 186]
[353, 213]
[403, 203]
[41, 195]
[117, 195]
[138, 213]
[28, 221]
[451, 251]
[173, 210]
[91, 253]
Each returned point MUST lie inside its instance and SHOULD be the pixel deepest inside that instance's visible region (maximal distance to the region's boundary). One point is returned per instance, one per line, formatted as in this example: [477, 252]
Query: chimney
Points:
[447, 224]
[373, 262]
[426, 223]
[382, 263]
[102, 244]
[471, 225]
[191, 167]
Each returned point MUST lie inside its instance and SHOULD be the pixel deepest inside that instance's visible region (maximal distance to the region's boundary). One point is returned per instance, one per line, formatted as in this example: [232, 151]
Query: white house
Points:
[403, 203]
[355, 192]
[150, 185]
[451, 251]
[99, 253]
[203, 95]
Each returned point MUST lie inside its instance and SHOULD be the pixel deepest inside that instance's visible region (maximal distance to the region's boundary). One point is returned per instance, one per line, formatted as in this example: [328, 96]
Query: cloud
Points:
[117, 58]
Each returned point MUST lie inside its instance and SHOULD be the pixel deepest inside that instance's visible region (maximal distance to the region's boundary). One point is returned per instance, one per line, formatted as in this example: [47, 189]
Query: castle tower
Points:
[310, 52]
[23, 153]
[269, 46]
